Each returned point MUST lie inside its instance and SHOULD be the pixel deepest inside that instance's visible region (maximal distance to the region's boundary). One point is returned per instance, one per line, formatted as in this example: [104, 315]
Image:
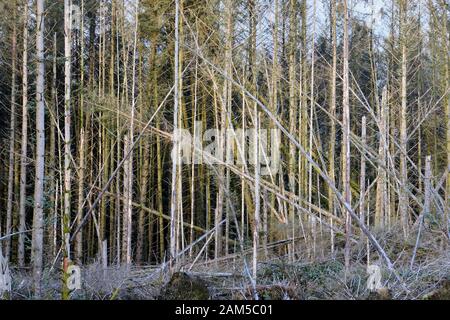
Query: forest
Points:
[224, 149]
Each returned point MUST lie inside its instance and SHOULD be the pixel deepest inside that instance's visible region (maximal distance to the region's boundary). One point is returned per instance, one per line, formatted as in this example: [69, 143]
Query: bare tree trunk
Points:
[38, 215]
[126, 223]
[12, 137]
[362, 181]
[143, 199]
[256, 227]
[273, 105]
[66, 217]
[293, 112]
[381, 203]
[118, 148]
[303, 116]
[103, 159]
[82, 152]
[23, 155]
[129, 195]
[145, 171]
[159, 177]
[126, 146]
[81, 177]
[52, 158]
[346, 139]
[113, 97]
[332, 145]
[67, 125]
[403, 201]
[311, 131]
[176, 151]
[252, 12]
[194, 155]
[446, 41]
[226, 107]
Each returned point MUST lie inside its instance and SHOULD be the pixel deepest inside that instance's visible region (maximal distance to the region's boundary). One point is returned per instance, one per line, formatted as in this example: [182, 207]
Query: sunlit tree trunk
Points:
[332, 143]
[381, 202]
[67, 126]
[176, 151]
[293, 112]
[346, 137]
[226, 120]
[38, 214]
[403, 204]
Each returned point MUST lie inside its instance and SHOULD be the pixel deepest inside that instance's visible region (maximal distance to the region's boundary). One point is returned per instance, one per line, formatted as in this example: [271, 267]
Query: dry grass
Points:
[307, 278]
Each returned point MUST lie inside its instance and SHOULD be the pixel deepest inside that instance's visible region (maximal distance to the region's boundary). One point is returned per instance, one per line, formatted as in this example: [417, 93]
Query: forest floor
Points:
[228, 277]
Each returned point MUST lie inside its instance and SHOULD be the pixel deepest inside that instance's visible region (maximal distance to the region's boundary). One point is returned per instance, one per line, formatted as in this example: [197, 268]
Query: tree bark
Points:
[12, 136]
[403, 204]
[24, 144]
[346, 139]
[38, 214]
[67, 125]
[176, 151]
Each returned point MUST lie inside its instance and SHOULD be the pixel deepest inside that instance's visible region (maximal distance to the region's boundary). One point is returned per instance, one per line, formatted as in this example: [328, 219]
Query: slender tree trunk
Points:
[252, 69]
[256, 227]
[81, 177]
[446, 40]
[52, 157]
[311, 131]
[175, 158]
[82, 156]
[303, 116]
[23, 155]
[381, 195]
[226, 121]
[129, 196]
[403, 194]
[144, 165]
[67, 125]
[12, 136]
[143, 200]
[38, 214]
[332, 145]
[194, 155]
[126, 258]
[159, 166]
[362, 181]
[346, 138]
[292, 114]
